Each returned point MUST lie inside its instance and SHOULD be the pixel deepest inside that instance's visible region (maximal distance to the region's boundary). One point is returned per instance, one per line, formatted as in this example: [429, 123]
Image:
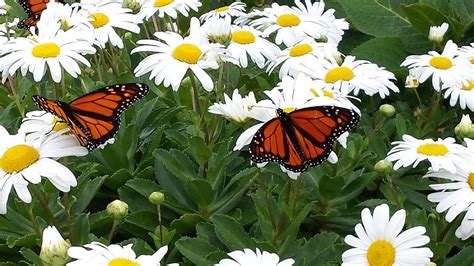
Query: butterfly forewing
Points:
[33, 9]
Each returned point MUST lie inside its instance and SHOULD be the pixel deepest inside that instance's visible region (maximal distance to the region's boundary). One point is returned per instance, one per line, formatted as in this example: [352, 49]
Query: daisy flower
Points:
[53, 247]
[70, 16]
[467, 52]
[248, 41]
[52, 48]
[464, 94]
[236, 9]
[411, 82]
[456, 195]
[466, 229]
[293, 57]
[442, 153]
[315, 11]
[249, 257]
[101, 255]
[3, 11]
[351, 76]
[173, 55]
[446, 68]
[437, 32]
[106, 17]
[380, 241]
[218, 30]
[168, 7]
[25, 161]
[236, 108]
[37, 123]
[290, 25]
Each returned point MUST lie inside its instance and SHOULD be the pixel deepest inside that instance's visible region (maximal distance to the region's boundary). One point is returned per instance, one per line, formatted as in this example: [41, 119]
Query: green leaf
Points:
[231, 232]
[81, 229]
[196, 250]
[200, 191]
[186, 223]
[136, 192]
[140, 223]
[464, 9]
[86, 194]
[464, 257]
[391, 60]
[199, 150]
[316, 245]
[422, 17]
[31, 256]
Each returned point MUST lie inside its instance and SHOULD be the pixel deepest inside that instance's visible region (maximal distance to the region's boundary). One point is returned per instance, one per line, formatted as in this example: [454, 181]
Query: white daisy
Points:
[411, 82]
[70, 16]
[173, 55]
[52, 47]
[351, 76]
[218, 30]
[456, 195]
[236, 9]
[437, 32]
[53, 247]
[25, 161]
[248, 41]
[236, 109]
[99, 254]
[446, 69]
[463, 94]
[106, 17]
[315, 11]
[249, 257]
[3, 11]
[291, 25]
[380, 241]
[467, 52]
[168, 7]
[466, 229]
[442, 153]
[293, 57]
[38, 123]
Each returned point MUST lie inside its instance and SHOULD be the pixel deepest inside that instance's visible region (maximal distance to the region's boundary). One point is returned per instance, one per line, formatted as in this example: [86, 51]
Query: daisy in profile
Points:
[99, 254]
[106, 17]
[466, 229]
[291, 59]
[442, 153]
[70, 16]
[52, 49]
[53, 247]
[351, 76]
[446, 69]
[218, 30]
[462, 95]
[236, 9]
[38, 123]
[25, 161]
[236, 108]
[379, 240]
[247, 41]
[257, 257]
[291, 25]
[173, 55]
[168, 7]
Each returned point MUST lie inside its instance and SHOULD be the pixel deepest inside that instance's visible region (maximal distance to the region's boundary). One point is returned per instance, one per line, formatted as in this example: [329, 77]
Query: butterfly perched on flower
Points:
[33, 9]
[301, 138]
[95, 117]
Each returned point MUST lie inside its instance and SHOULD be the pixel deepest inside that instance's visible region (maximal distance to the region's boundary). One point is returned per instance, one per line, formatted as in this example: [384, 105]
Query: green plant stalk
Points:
[34, 224]
[263, 187]
[67, 211]
[16, 96]
[44, 202]
[63, 85]
[389, 182]
[112, 230]
[155, 24]
[104, 63]
[158, 208]
[283, 216]
[194, 93]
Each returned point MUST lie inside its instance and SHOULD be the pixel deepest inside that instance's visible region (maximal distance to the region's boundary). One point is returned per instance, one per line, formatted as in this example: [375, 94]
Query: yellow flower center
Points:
[432, 149]
[470, 180]
[472, 60]
[288, 20]
[469, 87]
[289, 109]
[221, 9]
[300, 50]
[58, 124]
[122, 262]
[188, 53]
[326, 93]
[99, 19]
[18, 157]
[339, 73]
[381, 253]
[161, 3]
[46, 50]
[441, 62]
[243, 37]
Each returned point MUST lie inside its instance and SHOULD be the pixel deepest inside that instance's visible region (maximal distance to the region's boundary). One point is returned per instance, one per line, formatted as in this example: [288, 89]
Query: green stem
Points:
[264, 188]
[219, 82]
[63, 85]
[112, 231]
[67, 210]
[283, 216]
[44, 202]
[159, 222]
[34, 224]
[104, 63]
[389, 182]
[194, 94]
[155, 24]
[16, 96]
[417, 96]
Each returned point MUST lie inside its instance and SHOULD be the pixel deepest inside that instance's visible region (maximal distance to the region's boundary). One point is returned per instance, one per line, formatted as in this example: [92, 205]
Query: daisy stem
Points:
[112, 230]
[63, 85]
[53, 86]
[159, 222]
[147, 33]
[21, 108]
[67, 211]
[417, 96]
[219, 81]
[433, 106]
[263, 187]
[99, 72]
[43, 199]
[389, 182]
[33, 219]
[194, 94]
[112, 63]
[155, 24]
[104, 62]
[282, 222]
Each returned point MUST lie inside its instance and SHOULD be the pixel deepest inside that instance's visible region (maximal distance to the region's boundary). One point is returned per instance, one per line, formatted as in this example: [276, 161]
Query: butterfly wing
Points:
[33, 9]
[28, 22]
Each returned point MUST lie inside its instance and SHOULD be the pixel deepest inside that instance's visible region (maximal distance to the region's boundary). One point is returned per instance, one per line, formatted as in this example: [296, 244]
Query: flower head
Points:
[38, 123]
[236, 9]
[54, 247]
[437, 32]
[168, 7]
[237, 109]
[462, 94]
[249, 257]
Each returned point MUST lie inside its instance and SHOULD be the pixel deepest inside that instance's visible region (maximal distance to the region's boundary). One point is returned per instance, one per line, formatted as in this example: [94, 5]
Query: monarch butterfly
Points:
[95, 117]
[302, 138]
[33, 9]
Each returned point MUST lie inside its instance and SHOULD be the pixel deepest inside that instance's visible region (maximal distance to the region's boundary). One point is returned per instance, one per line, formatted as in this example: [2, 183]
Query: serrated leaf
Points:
[391, 58]
[81, 229]
[87, 193]
[187, 222]
[196, 250]
[231, 233]
[464, 257]
[422, 17]
[199, 150]
[201, 192]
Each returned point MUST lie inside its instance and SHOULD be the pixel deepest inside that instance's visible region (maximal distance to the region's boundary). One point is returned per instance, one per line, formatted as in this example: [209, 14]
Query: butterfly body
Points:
[95, 117]
[302, 138]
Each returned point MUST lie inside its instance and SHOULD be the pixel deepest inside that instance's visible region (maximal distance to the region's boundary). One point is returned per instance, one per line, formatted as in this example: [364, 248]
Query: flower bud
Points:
[387, 110]
[156, 198]
[128, 35]
[117, 209]
[437, 32]
[54, 247]
[132, 4]
[412, 80]
[186, 83]
[218, 30]
[383, 167]
[465, 128]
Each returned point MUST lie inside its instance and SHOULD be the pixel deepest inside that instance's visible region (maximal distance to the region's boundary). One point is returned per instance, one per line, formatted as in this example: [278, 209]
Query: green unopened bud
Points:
[117, 209]
[387, 110]
[383, 167]
[186, 83]
[156, 198]
[132, 4]
[53, 248]
[465, 128]
[128, 35]
[437, 32]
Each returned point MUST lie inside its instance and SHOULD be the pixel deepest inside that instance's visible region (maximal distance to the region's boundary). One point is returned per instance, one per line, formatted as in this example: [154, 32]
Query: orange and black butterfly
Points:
[302, 138]
[95, 117]
[33, 9]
